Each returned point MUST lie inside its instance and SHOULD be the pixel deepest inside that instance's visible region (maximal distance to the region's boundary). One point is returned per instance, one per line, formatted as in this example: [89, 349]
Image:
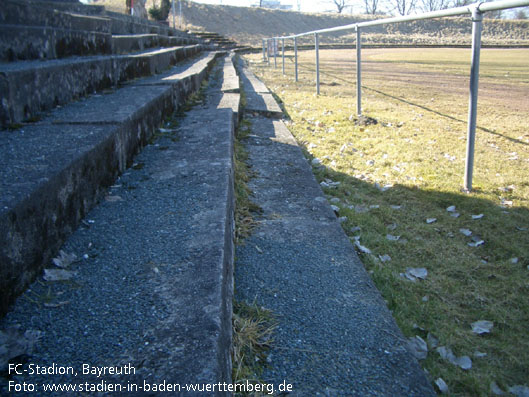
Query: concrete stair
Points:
[76, 122]
[72, 50]
[48, 30]
[29, 88]
[90, 160]
[157, 248]
[217, 40]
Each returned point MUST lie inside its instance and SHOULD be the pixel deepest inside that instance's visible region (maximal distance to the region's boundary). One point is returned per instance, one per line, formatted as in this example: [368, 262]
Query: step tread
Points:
[27, 65]
[230, 82]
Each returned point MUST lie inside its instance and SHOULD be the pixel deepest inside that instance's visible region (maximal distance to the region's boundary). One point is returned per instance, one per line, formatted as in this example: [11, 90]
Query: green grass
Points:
[420, 100]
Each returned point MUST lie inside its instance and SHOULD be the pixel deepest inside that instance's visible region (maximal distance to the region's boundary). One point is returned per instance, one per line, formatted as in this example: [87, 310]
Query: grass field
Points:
[397, 176]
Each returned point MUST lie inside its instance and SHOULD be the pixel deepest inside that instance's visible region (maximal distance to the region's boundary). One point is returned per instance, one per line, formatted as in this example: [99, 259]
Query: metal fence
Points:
[475, 10]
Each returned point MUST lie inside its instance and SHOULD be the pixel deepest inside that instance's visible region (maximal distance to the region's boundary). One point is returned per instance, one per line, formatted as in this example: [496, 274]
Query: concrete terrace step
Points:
[335, 336]
[28, 88]
[29, 13]
[156, 285]
[47, 30]
[122, 44]
[52, 172]
[259, 99]
[216, 39]
[77, 16]
[229, 96]
[18, 42]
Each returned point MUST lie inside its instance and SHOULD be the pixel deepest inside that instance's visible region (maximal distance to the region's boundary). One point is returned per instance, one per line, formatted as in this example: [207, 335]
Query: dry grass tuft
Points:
[253, 328]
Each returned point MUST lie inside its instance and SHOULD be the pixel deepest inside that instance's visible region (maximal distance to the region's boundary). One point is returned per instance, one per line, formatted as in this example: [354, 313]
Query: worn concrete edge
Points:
[259, 100]
[227, 280]
[126, 139]
[231, 97]
[230, 82]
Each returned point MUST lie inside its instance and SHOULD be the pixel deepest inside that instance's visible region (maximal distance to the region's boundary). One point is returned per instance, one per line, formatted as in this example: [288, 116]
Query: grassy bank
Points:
[248, 25]
[400, 194]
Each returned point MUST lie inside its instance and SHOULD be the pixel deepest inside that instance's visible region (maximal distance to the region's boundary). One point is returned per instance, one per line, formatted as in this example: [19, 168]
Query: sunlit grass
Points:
[416, 155]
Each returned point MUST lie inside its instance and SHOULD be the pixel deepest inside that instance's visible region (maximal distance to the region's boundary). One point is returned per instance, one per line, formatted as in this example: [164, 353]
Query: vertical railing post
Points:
[477, 19]
[268, 51]
[174, 14]
[296, 57]
[317, 48]
[275, 52]
[283, 54]
[264, 52]
[358, 72]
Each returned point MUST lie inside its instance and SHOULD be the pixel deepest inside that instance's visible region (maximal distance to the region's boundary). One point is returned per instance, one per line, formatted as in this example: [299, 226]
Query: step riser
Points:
[90, 18]
[19, 13]
[30, 42]
[127, 44]
[35, 42]
[33, 229]
[26, 93]
[130, 27]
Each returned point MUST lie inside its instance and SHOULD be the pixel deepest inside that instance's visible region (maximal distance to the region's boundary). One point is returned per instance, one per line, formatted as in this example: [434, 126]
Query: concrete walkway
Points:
[335, 335]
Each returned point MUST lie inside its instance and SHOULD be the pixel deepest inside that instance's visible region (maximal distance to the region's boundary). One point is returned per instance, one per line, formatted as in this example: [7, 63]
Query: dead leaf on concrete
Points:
[54, 305]
[418, 347]
[361, 248]
[64, 260]
[14, 343]
[113, 199]
[58, 274]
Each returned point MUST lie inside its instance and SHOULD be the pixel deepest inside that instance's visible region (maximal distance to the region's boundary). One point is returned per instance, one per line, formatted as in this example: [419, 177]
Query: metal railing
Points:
[475, 10]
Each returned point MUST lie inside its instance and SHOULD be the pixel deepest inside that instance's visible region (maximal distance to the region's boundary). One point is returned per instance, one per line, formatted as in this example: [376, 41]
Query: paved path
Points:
[335, 335]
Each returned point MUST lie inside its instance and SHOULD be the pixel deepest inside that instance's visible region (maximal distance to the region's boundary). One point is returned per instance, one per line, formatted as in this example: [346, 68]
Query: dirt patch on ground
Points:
[510, 92]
